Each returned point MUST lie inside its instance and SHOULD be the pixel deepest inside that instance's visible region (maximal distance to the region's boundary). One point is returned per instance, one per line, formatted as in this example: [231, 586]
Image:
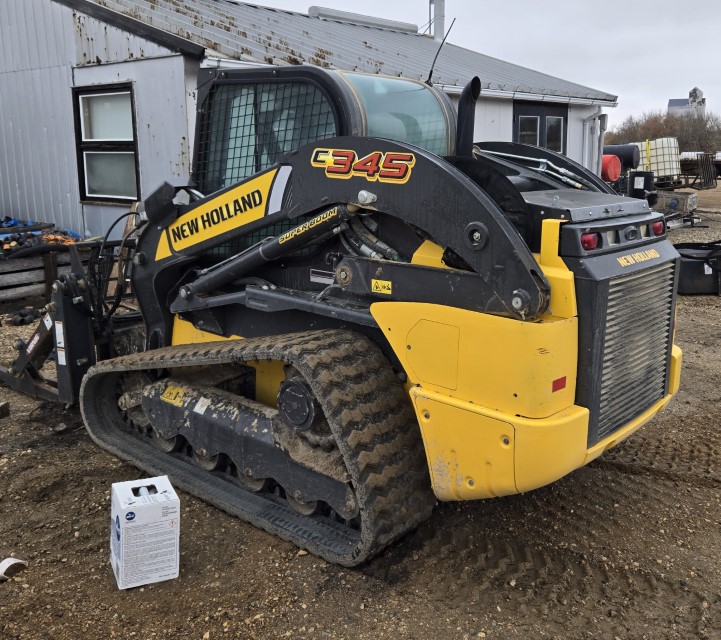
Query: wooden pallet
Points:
[31, 277]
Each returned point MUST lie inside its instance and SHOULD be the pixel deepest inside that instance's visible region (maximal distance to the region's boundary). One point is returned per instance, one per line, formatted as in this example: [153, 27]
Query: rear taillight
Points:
[590, 241]
[658, 228]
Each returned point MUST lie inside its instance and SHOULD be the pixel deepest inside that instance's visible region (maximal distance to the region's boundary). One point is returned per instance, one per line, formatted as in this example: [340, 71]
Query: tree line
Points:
[694, 132]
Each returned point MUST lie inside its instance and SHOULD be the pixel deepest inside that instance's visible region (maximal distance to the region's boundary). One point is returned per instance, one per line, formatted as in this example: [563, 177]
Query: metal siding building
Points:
[37, 143]
[50, 47]
[252, 33]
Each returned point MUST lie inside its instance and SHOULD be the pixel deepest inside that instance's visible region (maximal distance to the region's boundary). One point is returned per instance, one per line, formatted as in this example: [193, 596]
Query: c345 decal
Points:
[393, 167]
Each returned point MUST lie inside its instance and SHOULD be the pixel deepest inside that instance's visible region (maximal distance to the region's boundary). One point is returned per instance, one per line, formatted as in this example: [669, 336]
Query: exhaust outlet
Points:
[466, 117]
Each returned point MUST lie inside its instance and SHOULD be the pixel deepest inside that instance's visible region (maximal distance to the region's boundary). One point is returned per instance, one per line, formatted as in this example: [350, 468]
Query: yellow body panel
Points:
[499, 363]
[445, 338]
[675, 377]
[184, 332]
[268, 376]
[474, 452]
[232, 209]
[429, 254]
[563, 290]
[268, 373]
[470, 454]
[482, 388]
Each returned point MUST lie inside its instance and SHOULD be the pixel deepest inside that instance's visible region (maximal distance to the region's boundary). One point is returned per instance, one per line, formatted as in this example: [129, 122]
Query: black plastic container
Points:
[628, 154]
[640, 184]
[700, 271]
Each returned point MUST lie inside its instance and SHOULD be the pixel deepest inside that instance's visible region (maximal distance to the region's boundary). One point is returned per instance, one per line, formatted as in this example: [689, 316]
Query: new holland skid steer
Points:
[353, 310]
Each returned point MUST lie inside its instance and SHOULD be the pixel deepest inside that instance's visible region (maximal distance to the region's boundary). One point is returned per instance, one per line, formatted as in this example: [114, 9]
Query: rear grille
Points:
[636, 347]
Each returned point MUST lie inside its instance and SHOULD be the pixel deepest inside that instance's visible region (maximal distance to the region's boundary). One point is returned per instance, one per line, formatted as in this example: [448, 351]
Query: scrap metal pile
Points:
[27, 237]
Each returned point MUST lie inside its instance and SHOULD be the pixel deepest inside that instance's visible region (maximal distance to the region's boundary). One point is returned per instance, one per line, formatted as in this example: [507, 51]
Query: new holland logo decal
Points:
[640, 256]
[216, 216]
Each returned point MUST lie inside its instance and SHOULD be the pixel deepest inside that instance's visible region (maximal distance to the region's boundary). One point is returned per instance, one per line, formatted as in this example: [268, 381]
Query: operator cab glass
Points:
[403, 110]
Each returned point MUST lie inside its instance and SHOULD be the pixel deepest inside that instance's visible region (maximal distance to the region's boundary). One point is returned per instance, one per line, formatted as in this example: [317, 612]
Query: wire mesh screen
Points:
[246, 128]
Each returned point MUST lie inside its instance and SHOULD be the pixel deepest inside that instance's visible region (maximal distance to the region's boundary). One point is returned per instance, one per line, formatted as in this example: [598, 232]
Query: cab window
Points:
[248, 127]
[402, 110]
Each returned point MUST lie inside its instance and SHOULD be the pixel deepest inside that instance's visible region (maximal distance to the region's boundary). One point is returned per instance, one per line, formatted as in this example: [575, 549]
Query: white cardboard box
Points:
[144, 532]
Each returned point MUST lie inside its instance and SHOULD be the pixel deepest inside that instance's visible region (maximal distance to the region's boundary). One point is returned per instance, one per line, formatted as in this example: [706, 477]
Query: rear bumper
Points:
[474, 452]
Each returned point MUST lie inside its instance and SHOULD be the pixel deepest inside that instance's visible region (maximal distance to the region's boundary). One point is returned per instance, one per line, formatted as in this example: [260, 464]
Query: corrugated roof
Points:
[678, 102]
[254, 33]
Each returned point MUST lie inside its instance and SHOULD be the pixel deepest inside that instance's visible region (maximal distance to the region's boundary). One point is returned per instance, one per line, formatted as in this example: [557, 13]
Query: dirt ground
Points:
[628, 547]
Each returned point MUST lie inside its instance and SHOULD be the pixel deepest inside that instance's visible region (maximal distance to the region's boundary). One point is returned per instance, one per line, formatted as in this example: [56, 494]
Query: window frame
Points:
[537, 120]
[563, 132]
[83, 146]
[543, 111]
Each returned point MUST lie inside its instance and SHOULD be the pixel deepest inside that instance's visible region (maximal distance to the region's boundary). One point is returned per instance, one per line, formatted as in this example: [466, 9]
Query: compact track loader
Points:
[353, 310]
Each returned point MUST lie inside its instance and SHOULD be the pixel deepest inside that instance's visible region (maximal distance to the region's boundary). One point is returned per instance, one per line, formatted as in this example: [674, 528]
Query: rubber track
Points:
[368, 412]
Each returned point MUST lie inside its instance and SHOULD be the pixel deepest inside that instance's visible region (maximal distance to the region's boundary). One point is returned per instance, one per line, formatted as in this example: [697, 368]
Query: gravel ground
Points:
[627, 547]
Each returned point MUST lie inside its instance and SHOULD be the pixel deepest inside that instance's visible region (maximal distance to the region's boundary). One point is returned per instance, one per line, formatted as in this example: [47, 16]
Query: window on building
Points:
[554, 133]
[540, 124]
[528, 129]
[106, 143]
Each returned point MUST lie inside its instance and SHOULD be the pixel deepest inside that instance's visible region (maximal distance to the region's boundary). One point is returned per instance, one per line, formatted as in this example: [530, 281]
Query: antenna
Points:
[430, 73]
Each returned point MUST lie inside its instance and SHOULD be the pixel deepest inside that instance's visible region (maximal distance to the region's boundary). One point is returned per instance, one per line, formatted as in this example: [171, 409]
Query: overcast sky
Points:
[643, 51]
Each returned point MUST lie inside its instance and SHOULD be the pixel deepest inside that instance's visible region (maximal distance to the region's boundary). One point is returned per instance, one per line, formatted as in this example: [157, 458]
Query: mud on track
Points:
[628, 547]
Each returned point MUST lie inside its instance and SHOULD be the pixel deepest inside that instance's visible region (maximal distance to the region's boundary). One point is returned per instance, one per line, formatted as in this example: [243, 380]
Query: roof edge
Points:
[360, 20]
[534, 97]
[115, 19]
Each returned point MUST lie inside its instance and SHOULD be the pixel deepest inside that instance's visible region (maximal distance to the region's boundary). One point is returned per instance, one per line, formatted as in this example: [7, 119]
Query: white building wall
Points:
[47, 49]
[99, 43]
[38, 178]
[583, 135]
[161, 122]
[494, 120]
[35, 34]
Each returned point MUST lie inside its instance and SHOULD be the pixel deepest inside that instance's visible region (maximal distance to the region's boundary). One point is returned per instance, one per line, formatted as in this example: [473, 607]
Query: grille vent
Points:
[637, 341]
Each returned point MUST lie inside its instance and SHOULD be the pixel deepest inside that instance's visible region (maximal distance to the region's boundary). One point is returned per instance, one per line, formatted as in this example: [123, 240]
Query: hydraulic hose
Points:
[375, 243]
